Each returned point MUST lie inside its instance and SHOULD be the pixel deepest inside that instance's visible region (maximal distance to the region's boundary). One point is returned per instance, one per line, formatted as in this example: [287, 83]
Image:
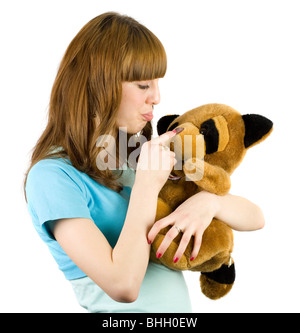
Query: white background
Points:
[241, 53]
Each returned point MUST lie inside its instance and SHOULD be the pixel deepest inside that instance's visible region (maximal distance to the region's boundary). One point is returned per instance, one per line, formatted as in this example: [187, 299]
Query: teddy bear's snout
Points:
[189, 143]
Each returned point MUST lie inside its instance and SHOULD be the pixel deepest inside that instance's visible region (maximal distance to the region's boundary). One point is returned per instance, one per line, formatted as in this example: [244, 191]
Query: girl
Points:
[98, 222]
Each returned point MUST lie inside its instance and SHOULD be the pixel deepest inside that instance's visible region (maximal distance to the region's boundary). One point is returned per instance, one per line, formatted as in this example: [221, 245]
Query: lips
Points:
[148, 116]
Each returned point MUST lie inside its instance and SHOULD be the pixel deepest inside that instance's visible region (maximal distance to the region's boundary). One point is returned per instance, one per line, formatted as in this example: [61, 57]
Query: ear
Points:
[164, 122]
[257, 129]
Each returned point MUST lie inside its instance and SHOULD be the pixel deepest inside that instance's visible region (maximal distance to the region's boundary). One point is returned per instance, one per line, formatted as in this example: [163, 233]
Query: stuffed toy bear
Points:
[213, 143]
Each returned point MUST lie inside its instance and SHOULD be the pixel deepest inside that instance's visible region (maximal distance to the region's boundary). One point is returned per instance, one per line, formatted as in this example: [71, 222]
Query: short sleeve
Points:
[54, 191]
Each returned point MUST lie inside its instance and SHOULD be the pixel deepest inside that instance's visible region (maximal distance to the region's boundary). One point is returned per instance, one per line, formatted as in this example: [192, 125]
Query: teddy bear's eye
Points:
[203, 131]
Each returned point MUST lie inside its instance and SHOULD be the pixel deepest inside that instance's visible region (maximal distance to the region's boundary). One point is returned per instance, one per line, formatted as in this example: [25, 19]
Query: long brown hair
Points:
[107, 51]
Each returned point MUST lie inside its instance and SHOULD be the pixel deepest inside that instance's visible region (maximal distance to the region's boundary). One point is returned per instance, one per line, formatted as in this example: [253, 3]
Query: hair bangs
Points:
[146, 58]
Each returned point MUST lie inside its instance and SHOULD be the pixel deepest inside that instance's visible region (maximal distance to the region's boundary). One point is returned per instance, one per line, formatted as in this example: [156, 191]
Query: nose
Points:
[154, 93]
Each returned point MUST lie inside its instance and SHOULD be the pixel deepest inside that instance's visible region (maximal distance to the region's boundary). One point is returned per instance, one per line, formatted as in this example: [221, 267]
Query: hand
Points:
[192, 217]
[155, 162]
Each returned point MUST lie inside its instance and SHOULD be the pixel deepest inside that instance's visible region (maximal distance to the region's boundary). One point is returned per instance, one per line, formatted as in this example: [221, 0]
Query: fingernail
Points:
[175, 260]
[192, 258]
[158, 255]
[178, 130]
[149, 241]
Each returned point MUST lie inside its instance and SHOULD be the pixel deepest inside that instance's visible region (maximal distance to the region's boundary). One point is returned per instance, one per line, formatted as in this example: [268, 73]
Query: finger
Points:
[185, 239]
[167, 162]
[197, 246]
[166, 151]
[170, 235]
[162, 139]
[176, 131]
[158, 225]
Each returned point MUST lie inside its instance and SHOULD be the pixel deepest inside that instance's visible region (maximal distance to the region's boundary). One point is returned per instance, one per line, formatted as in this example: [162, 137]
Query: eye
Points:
[143, 87]
[203, 130]
[173, 126]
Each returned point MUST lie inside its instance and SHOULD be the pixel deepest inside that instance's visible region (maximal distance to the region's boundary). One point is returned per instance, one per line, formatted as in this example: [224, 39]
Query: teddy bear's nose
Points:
[188, 143]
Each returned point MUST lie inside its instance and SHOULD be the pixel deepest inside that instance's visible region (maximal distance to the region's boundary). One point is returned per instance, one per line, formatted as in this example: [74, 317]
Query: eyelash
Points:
[143, 87]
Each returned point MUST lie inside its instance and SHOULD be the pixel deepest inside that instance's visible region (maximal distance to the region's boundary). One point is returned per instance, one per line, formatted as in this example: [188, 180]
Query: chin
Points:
[132, 128]
[136, 129]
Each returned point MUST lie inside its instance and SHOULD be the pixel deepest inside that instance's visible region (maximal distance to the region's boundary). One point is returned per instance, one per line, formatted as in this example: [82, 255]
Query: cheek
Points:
[130, 120]
[125, 116]
[130, 108]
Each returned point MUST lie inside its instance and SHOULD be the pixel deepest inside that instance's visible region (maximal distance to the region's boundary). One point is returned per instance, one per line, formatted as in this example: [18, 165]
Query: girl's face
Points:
[136, 107]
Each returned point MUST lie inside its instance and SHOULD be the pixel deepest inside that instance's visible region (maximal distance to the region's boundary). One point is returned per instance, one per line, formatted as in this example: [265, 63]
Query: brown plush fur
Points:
[208, 168]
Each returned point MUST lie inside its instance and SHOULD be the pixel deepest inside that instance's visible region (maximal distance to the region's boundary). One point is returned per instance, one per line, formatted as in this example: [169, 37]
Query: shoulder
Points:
[50, 164]
[53, 172]
[51, 167]
[54, 190]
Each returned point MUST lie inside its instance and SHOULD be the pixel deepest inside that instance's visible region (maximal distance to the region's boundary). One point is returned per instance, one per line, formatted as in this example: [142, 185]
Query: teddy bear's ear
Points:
[164, 122]
[257, 129]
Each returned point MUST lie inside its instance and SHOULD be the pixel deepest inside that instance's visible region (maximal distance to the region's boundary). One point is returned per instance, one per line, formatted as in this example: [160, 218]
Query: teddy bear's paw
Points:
[194, 169]
[218, 283]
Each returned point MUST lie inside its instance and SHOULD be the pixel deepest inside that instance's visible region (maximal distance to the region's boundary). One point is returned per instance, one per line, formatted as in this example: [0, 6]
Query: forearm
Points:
[131, 254]
[195, 214]
[238, 213]
[119, 271]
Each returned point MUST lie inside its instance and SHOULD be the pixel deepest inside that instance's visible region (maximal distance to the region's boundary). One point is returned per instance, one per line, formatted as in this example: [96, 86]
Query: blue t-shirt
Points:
[56, 190]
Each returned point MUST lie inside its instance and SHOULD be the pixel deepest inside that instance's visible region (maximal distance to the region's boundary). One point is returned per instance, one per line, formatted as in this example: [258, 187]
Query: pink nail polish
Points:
[175, 260]
[178, 130]
[192, 258]
[149, 241]
[158, 255]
